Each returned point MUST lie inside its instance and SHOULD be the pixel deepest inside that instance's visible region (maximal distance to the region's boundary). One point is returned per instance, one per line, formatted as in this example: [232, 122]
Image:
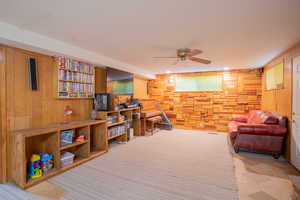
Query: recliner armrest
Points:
[239, 118]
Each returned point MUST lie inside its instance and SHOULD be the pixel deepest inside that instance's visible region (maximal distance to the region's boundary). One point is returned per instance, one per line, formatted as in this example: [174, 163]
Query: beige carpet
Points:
[176, 165]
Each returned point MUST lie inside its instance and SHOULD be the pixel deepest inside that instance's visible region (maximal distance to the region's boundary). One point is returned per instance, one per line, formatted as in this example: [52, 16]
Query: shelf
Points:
[82, 78]
[77, 82]
[76, 162]
[121, 110]
[72, 98]
[80, 160]
[114, 124]
[74, 144]
[42, 178]
[46, 139]
[110, 138]
[75, 71]
[97, 153]
[70, 92]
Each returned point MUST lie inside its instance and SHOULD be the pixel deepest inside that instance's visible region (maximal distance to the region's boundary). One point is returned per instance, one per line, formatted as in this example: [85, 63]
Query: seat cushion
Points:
[268, 118]
[282, 120]
[254, 117]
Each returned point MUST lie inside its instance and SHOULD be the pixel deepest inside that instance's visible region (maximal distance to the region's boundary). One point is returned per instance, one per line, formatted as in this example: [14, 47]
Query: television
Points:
[119, 82]
[103, 102]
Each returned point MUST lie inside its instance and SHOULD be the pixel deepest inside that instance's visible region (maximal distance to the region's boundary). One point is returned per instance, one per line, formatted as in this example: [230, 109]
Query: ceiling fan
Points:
[188, 54]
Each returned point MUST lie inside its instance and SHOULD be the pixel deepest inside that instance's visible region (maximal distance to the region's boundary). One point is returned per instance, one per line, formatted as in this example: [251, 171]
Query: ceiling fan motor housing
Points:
[182, 53]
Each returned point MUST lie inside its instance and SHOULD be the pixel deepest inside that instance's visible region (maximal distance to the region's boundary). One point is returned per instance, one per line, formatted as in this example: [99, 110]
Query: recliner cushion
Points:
[268, 118]
[254, 117]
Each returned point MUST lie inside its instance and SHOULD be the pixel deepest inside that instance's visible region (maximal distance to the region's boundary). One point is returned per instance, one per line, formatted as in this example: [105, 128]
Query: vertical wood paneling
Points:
[28, 109]
[3, 119]
[100, 80]
[140, 88]
[280, 100]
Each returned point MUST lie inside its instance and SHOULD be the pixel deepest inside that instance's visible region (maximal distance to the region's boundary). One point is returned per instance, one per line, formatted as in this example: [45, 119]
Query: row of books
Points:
[112, 119]
[75, 76]
[75, 65]
[75, 95]
[75, 87]
[116, 130]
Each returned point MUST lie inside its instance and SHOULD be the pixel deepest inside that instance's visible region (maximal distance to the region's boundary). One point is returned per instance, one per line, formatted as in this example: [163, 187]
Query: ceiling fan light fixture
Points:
[188, 54]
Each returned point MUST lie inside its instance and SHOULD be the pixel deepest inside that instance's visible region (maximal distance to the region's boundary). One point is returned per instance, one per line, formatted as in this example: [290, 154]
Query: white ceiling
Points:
[234, 33]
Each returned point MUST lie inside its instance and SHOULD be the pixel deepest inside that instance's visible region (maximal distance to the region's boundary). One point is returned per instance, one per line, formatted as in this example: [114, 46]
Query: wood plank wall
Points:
[140, 88]
[209, 110]
[280, 100]
[100, 80]
[3, 134]
[26, 108]
[149, 104]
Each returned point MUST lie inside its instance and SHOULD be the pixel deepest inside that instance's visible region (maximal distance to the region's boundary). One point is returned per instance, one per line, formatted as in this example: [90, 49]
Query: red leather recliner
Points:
[260, 131]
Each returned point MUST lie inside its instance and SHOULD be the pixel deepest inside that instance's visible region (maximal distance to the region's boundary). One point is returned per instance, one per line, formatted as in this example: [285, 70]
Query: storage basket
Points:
[67, 158]
[66, 137]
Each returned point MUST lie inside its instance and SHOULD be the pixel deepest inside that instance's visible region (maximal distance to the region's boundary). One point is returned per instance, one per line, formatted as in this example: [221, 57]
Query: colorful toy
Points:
[34, 168]
[40, 164]
[80, 138]
[46, 162]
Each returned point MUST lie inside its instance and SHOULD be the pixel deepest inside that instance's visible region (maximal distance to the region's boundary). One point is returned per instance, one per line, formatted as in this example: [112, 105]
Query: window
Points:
[274, 77]
[199, 83]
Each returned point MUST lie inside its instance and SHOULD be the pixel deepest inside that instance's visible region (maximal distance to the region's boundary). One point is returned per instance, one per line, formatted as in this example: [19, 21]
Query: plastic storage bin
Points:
[66, 159]
[66, 137]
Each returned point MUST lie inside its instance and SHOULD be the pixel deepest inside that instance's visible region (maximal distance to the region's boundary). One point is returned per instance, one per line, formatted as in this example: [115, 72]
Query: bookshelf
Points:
[47, 140]
[118, 123]
[75, 79]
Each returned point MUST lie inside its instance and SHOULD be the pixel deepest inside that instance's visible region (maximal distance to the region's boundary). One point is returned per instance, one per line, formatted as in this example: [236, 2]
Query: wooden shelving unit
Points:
[75, 80]
[47, 140]
[115, 136]
[103, 115]
[114, 124]
[74, 144]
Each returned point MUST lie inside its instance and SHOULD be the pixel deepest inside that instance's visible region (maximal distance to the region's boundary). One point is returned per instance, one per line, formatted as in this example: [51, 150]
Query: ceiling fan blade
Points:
[194, 52]
[203, 61]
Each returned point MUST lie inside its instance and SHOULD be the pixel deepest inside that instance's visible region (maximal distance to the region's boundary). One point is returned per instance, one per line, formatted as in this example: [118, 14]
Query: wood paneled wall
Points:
[28, 109]
[140, 88]
[100, 80]
[209, 110]
[3, 120]
[280, 100]
[149, 104]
